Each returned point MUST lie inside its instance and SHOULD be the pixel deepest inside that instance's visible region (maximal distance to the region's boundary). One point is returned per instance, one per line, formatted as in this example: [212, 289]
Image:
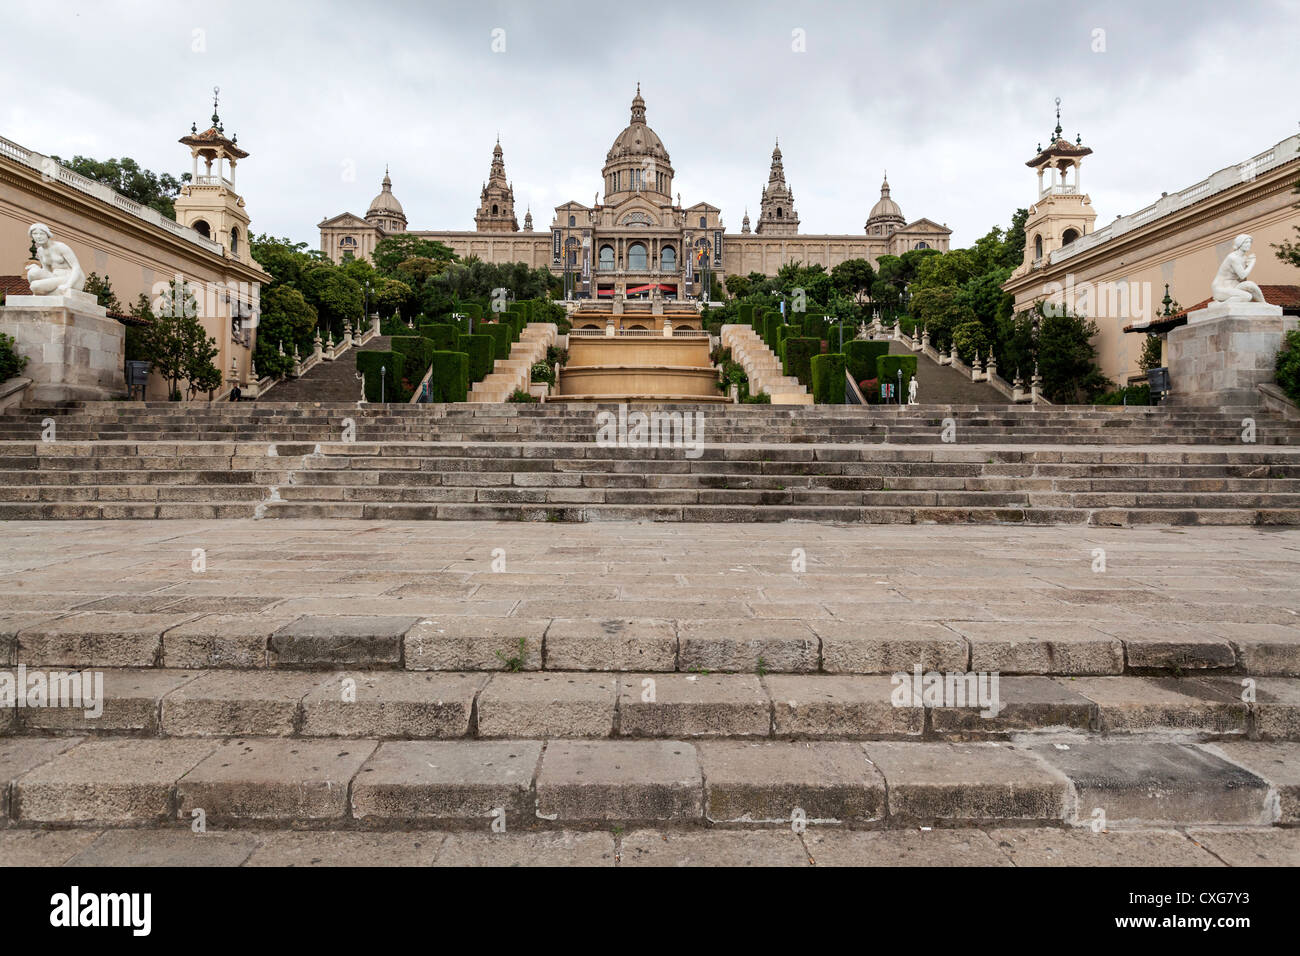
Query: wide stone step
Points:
[173, 702]
[366, 783]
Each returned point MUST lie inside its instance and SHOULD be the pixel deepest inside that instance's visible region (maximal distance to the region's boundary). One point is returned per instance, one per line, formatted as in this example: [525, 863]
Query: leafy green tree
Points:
[392, 251]
[155, 190]
[336, 296]
[854, 277]
[1067, 359]
[283, 258]
[11, 363]
[739, 286]
[287, 319]
[177, 345]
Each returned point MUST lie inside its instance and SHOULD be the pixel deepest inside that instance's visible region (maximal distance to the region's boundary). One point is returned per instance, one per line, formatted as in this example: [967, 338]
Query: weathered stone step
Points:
[658, 847]
[172, 702]
[592, 633]
[363, 783]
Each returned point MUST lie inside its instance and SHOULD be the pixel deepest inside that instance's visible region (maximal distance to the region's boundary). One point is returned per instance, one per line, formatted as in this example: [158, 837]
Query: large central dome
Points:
[638, 161]
[638, 139]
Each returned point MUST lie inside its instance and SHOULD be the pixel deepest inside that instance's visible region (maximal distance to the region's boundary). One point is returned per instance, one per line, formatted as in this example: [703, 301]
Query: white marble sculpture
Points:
[1230, 283]
[59, 272]
[912, 389]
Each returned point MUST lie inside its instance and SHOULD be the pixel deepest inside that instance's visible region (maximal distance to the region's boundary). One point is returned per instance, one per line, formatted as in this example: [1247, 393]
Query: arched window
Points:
[347, 242]
[494, 209]
[573, 220]
[923, 245]
[636, 259]
[606, 257]
[778, 212]
[704, 223]
[668, 259]
[1038, 247]
[234, 242]
[1069, 237]
[202, 228]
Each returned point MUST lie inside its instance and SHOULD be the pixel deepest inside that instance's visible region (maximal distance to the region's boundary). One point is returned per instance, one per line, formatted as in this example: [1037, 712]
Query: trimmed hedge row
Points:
[796, 357]
[449, 381]
[442, 335]
[828, 378]
[501, 334]
[480, 349]
[862, 357]
[387, 387]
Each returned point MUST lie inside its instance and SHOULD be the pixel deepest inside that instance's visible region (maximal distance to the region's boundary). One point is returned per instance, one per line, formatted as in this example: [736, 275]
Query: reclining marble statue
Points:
[59, 272]
[1230, 283]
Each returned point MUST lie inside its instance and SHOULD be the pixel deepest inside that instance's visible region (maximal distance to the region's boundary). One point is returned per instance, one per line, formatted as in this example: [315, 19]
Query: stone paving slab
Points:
[868, 648]
[836, 706]
[273, 780]
[42, 847]
[1155, 783]
[20, 755]
[550, 848]
[548, 705]
[1276, 763]
[712, 848]
[611, 645]
[1133, 705]
[693, 705]
[445, 780]
[222, 640]
[1024, 704]
[130, 702]
[235, 703]
[781, 782]
[392, 704]
[1251, 847]
[166, 848]
[910, 847]
[750, 646]
[108, 781]
[318, 640]
[1042, 647]
[1277, 708]
[631, 780]
[1083, 847]
[479, 643]
[967, 782]
[91, 639]
[317, 848]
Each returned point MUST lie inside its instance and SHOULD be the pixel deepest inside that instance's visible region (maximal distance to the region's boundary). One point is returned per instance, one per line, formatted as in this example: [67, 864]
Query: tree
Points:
[394, 250]
[1067, 359]
[739, 286]
[286, 319]
[157, 191]
[854, 277]
[177, 345]
[336, 296]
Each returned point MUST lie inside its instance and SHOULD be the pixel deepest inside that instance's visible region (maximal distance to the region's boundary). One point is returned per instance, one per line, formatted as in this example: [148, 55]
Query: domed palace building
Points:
[638, 239]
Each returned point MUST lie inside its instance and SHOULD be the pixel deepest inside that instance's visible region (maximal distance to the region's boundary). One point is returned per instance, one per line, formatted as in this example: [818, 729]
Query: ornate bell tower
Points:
[1063, 212]
[496, 207]
[776, 215]
[208, 203]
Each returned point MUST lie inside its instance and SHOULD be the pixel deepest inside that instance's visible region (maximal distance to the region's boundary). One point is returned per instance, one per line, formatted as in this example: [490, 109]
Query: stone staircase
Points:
[766, 376]
[271, 706]
[944, 385]
[515, 373]
[448, 480]
[334, 381]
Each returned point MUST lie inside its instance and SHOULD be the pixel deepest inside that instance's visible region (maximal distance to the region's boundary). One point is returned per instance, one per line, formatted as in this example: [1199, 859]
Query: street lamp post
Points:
[383, 375]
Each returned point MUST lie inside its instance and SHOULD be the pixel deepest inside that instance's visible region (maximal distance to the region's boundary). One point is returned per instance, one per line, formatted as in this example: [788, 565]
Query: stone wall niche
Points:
[1224, 351]
[75, 352]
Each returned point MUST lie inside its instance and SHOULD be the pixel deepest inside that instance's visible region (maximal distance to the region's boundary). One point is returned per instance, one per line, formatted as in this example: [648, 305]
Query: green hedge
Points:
[796, 357]
[813, 325]
[442, 335]
[746, 313]
[502, 335]
[833, 336]
[479, 348]
[828, 378]
[369, 363]
[450, 379]
[771, 323]
[862, 357]
[1287, 369]
[888, 366]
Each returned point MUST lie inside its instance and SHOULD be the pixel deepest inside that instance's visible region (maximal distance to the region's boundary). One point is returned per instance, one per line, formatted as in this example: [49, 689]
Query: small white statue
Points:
[912, 389]
[59, 271]
[1230, 283]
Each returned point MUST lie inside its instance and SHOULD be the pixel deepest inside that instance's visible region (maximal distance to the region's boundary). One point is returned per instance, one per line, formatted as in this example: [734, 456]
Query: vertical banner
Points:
[690, 263]
[555, 252]
[717, 248]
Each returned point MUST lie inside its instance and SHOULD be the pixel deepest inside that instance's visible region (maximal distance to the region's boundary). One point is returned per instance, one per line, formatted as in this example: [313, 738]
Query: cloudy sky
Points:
[950, 97]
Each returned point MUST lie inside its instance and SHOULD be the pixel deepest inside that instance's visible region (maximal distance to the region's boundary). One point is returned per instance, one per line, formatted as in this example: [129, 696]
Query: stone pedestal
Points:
[1224, 351]
[75, 351]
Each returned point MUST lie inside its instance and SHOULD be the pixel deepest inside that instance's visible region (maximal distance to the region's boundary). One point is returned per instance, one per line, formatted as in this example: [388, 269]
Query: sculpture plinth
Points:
[1225, 351]
[75, 352]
